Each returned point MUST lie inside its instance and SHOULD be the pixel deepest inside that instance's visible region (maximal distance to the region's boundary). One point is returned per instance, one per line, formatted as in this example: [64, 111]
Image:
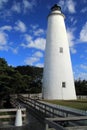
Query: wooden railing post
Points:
[46, 126]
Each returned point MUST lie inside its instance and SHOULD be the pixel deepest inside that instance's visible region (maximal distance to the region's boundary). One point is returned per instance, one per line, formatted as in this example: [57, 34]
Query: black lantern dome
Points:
[56, 7]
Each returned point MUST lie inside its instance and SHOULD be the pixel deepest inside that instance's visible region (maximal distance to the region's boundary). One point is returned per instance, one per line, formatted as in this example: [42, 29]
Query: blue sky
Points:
[23, 25]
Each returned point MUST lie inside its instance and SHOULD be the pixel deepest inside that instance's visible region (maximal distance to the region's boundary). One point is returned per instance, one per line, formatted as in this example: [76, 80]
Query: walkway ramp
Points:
[54, 117]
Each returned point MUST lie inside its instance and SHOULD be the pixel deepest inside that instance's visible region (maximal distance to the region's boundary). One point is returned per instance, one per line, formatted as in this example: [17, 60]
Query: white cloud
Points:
[80, 71]
[61, 2]
[16, 7]
[38, 32]
[2, 2]
[14, 50]
[73, 20]
[38, 43]
[24, 45]
[31, 42]
[39, 65]
[31, 60]
[83, 66]
[4, 48]
[83, 33]
[23, 6]
[68, 5]
[34, 26]
[3, 41]
[34, 59]
[27, 5]
[84, 10]
[3, 38]
[71, 39]
[20, 26]
[73, 50]
[6, 27]
[27, 37]
[38, 54]
[71, 6]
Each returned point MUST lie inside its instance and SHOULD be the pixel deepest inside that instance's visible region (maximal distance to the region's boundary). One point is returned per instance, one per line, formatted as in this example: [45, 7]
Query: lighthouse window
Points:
[61, 49]
[63, 84]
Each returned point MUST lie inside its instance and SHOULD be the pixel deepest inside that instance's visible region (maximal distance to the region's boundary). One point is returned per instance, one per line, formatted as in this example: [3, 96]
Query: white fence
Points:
[39, 95]
[81, 97]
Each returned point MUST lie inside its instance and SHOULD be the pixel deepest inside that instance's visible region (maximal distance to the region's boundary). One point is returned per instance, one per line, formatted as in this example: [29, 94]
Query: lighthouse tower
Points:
[58, 82]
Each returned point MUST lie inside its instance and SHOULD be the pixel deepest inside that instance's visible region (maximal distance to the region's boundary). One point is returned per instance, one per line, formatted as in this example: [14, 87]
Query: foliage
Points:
[32, 77]
[3, 62]
[21, 79]
[81, 87]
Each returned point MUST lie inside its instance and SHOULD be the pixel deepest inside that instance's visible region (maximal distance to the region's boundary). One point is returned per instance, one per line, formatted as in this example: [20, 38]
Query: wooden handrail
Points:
[11, 110]
[48, 108]
[10, 116]
[6, 113]
[75, 118]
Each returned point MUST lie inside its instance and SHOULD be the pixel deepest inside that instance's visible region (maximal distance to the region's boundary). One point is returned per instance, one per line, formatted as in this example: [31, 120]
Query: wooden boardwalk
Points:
[57, 118]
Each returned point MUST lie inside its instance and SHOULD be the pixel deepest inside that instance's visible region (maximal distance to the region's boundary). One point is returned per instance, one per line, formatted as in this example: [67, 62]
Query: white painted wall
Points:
[58, 66]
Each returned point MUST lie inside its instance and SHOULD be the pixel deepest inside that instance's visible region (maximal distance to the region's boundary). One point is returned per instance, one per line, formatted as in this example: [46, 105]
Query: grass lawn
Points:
[78, 104]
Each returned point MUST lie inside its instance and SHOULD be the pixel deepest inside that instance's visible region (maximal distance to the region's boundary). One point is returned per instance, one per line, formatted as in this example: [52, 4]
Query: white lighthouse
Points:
[58, 82]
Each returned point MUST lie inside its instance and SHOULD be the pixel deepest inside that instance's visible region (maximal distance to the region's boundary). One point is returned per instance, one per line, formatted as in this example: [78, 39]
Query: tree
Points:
[21, 79]
[81, 87]
[3, 62]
